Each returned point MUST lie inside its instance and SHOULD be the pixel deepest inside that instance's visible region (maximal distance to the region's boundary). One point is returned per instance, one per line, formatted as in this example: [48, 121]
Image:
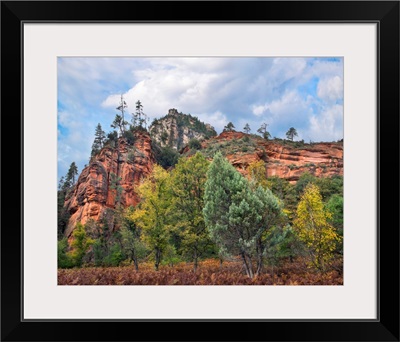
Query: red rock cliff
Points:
[95, 190]
[283, 159]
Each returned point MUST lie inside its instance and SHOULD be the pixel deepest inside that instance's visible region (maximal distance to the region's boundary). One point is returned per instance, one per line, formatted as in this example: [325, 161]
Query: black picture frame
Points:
[384, 13]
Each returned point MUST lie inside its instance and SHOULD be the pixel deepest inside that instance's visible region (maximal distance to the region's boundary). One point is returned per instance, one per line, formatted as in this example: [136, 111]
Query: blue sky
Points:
[305, 93]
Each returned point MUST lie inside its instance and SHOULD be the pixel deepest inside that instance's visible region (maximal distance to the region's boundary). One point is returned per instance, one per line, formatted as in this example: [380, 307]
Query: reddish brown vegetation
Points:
[208, 273]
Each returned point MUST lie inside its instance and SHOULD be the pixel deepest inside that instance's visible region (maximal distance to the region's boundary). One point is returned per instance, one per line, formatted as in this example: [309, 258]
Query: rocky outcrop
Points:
[284, 159]
[177, 129]
[111, 178]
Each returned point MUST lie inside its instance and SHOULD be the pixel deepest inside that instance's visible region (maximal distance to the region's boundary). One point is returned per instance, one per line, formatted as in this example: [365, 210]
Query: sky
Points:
[304, 93]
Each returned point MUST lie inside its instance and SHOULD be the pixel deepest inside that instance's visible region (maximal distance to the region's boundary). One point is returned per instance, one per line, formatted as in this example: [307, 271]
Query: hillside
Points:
[283, 158]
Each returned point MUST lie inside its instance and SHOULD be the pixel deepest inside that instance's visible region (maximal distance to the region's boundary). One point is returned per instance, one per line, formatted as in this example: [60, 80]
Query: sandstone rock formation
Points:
[283, 159]
[113, 175]
[113, 170]
[176, 130]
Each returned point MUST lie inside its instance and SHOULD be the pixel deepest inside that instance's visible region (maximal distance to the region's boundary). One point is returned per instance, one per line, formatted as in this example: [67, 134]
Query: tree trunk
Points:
[157, 259]
[247, 265]
[259, 257]
[135, 261]
[195, 264]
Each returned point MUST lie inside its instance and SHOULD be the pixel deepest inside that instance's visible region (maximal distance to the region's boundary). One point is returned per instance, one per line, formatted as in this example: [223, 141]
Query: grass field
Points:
[209, 272]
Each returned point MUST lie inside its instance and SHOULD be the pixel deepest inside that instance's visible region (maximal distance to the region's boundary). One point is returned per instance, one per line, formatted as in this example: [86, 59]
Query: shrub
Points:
[64, 260]
[130, 137]
[194, 144]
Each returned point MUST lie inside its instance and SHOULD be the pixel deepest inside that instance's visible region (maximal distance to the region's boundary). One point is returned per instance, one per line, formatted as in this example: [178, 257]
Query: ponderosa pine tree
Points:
[247, 128]
[229, 127]
[263, 131]
[291, 133]
[71, 174]
[187, 186]
[119, 123]
[237, 215]
[99, 138]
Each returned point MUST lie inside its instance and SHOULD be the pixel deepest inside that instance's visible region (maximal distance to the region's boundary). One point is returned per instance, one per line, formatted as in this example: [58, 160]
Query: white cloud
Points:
[259, 110]
[330, 89]
[328, 126]
[282, 92]
[217, 119]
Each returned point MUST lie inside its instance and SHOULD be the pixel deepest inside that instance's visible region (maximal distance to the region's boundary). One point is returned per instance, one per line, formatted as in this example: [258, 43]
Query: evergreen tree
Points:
[62, 213]
[229, 127]
[119, 123]
[236, 214]
[71, 174]
[291, 133]
[99, 139]
[263, 131]
[140, 117]
[246, 128]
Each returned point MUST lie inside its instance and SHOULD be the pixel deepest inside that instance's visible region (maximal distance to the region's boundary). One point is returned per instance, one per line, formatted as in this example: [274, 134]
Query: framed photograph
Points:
[191, 163]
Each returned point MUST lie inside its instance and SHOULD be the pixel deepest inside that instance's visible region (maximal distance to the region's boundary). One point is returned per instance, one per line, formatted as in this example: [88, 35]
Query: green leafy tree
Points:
[100, 233]
[132, 246]
[335, 206]
[165, 156]
[247, 128]
[291, 133]
[194, 144]
[99, 139]
[153, 212]
[115, 257]
[229, 127]
[80, 244]
[63, 259]
[313, 228]
[236, 214]
[187, 186]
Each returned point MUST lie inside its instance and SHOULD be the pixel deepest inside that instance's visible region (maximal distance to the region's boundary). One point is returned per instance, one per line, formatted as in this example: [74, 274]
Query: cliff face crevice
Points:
[110, 178]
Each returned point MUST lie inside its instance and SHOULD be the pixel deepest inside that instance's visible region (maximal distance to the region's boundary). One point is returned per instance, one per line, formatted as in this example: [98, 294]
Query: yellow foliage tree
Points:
[258, 173]
[152, 213]
[313, 229]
